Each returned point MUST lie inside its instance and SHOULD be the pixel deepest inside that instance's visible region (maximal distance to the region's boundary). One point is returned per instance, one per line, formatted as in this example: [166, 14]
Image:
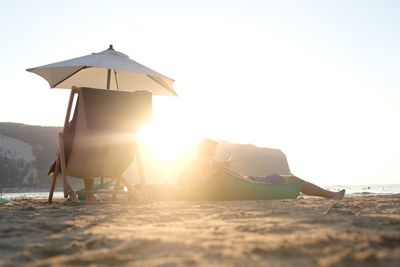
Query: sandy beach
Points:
[356, 231]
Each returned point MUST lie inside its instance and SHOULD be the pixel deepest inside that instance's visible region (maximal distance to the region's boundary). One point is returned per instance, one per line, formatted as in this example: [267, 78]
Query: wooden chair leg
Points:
[54, 179]
[68, 191]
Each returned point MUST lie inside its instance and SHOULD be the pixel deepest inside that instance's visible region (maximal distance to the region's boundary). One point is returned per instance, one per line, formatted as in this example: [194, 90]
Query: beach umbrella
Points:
[108, 69]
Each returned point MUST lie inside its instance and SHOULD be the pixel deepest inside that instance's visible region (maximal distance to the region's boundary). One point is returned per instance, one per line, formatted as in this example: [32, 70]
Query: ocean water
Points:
[362, 190]
[11, 193]
[351, 191]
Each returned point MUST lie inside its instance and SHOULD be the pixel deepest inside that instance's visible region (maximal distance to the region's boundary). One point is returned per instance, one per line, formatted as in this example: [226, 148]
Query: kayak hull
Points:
[223, 185]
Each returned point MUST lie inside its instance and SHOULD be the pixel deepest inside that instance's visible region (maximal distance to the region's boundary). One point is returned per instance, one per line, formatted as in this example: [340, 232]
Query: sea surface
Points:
[351, 191]
[362, 190]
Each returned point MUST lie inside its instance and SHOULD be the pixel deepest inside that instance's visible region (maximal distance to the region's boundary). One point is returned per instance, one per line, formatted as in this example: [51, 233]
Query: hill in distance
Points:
[27, 151]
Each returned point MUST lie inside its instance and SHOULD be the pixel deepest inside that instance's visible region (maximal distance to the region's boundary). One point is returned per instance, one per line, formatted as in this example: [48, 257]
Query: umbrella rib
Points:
[69, 76]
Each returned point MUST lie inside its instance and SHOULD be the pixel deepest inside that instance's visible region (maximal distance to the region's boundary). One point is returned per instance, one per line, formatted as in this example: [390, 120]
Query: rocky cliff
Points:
[25, 154]
[27, 151]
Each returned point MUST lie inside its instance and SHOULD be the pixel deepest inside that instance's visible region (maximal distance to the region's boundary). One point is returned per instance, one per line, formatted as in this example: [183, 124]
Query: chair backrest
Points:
[102, 134]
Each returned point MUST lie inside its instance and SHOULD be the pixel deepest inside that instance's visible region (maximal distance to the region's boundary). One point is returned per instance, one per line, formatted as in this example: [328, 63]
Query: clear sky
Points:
[319, 80]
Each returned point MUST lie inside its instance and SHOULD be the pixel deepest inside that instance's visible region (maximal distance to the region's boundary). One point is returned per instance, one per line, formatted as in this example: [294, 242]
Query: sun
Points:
[174, 131]
[167, 141]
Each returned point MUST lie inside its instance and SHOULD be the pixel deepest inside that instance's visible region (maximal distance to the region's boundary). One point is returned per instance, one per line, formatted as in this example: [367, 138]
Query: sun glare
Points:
[166, 142]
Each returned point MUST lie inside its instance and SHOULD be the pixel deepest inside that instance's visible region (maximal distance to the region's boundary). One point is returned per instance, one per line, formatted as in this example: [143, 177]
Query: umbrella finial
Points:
[111, 47]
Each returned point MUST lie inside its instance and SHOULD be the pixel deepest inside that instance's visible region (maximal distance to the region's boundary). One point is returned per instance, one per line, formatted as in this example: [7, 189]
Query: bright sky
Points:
[319, 80]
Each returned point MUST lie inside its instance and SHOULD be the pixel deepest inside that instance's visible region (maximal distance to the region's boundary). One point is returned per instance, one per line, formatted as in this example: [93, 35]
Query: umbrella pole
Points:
[108, 78]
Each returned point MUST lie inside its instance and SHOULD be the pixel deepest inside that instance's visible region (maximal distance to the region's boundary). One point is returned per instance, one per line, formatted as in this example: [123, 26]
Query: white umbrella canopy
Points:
[108, 69]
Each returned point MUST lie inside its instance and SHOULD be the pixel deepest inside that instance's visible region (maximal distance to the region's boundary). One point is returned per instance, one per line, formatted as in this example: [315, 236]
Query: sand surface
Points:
[356, 231]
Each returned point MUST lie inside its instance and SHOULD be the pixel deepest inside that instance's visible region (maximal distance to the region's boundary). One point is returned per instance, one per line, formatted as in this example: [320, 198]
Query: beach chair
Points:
[99, 137]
